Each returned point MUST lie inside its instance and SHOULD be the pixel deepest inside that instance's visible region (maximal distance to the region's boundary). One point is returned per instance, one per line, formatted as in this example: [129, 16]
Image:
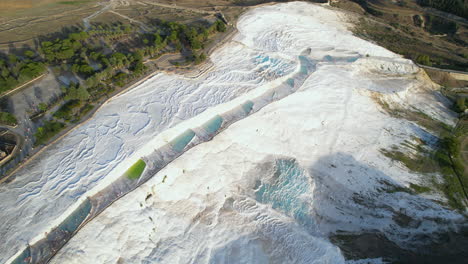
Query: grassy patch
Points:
[428, 122]
[420, 118]
[135, 171]
[419, 188]
[418, 163]
[428, 163]
[444, 160]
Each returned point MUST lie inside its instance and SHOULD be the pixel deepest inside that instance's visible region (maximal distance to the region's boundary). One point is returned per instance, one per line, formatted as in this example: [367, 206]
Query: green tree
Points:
[220, 26]
[460, 104]
[118, 60]
[30, 71]
[157, 40]
[4, 72]
[8, 119]
[78, 93]
[424, 60]
[78, 36]
[30, 54]
[452, 145]
[75, 68]
[12, 58]
[178, 46]
[139, 68]
[42, 107]
[199, 58]
[173, 36]
[95, 55]
[138, 56]
[86, 69]
[40, 130]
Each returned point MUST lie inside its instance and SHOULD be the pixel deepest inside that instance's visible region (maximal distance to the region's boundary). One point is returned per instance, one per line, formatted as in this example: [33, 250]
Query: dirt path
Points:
[142, 25]
[447, 16]
[112, 4]
[86, 20]
[440, 69]
[393, 10]
[195, 10]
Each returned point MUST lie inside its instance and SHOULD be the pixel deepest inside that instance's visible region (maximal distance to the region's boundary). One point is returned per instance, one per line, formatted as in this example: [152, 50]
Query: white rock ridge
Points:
[269, 188]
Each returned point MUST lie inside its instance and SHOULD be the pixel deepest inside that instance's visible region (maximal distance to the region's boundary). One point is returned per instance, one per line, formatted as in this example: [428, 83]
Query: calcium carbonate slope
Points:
[273, 186]
[44, 189]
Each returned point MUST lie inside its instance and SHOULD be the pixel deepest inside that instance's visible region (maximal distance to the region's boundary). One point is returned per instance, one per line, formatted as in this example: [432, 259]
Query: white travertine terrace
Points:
[270, 187]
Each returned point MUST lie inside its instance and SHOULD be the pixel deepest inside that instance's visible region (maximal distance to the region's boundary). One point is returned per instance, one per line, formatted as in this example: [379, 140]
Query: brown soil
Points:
[444, 79]
[395, 28]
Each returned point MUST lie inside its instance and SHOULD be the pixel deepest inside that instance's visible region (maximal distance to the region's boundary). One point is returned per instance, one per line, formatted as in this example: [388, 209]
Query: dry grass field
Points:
[408, 29]
[23, 21]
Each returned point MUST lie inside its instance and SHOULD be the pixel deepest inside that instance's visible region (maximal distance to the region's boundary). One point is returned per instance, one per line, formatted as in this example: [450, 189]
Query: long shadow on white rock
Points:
[369, 215]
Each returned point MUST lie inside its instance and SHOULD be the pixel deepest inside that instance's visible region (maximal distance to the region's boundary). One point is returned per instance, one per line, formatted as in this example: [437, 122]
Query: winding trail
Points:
[195, 10]
[142, 25]
[112, 4]
[86, 20]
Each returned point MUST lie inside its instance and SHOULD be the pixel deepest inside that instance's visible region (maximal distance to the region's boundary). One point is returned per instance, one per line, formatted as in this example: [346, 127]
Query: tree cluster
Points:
[60, 50]
[15, 71]
[48, 130]
[76, 92]
[192, 37]
[65, 111]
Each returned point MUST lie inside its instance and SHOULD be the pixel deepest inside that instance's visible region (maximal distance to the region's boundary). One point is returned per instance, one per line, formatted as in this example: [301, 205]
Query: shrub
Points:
[78, 93]
[424, 60]
[220, 26]
[43, 107]
[8, 119]
[460, 104]
[199, 58]
[65, 111]
[30, 54]
[46, 132]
